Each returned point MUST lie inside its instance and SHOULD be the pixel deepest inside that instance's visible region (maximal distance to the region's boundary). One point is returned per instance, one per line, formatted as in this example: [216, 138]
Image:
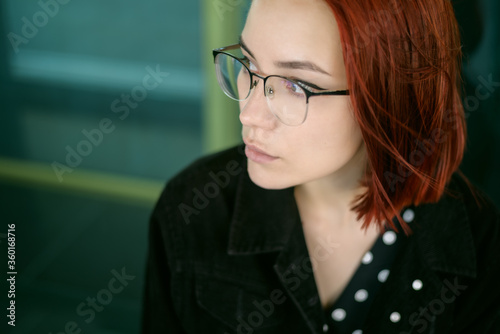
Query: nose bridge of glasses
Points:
[251, 97]
[255, 82]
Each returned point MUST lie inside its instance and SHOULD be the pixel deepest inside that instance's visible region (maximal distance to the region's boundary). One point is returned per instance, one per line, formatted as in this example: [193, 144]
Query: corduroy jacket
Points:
[228, 257]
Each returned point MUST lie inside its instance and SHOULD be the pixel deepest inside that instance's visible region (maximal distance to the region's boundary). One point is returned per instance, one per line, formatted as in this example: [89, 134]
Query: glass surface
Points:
[286, 99]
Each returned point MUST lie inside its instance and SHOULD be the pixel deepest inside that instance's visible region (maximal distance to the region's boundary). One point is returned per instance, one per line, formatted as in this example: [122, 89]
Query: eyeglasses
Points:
[287, 99]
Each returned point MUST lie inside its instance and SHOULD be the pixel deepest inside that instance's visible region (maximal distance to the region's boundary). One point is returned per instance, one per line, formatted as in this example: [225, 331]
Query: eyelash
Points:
[247, 61]
[304, 84]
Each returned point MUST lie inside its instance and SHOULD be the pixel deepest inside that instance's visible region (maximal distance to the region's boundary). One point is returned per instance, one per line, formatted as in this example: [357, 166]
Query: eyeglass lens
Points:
[286, 99]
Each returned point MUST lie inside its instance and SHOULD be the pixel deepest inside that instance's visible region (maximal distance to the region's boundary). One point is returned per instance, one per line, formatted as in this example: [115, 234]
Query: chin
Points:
[267, 179]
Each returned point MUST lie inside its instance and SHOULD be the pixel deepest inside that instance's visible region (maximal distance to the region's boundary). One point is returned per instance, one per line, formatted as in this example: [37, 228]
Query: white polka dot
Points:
[338, 314]
[361, 295]
[357, 331]
[395, 317]
[408, 215]
[367, 258]
[325, 328]
[382, 275]
[417, 284]
[389, 238]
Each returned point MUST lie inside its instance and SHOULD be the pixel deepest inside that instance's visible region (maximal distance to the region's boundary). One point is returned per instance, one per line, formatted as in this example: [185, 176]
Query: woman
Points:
[353, 130]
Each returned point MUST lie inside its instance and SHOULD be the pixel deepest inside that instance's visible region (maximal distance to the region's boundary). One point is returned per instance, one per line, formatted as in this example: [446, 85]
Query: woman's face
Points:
[298, 39]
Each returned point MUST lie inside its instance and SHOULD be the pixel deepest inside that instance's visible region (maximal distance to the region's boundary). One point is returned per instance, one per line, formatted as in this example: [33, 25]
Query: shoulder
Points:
[229, 161]
[198, 201]
[463, 227]
[204, 180]
[482, 214]
[484, 220]
[460, 233]
[473, 242]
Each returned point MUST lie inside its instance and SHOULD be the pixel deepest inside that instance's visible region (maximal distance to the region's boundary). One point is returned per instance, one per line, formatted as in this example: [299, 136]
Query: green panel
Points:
[129, 190]
[222, 21]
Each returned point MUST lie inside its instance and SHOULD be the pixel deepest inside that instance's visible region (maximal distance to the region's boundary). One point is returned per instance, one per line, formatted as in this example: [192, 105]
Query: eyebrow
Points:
[245, 47]
[296, 65]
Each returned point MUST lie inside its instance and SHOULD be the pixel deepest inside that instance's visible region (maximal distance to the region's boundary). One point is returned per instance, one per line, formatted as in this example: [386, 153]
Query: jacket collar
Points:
[443, 234]
[263, 221]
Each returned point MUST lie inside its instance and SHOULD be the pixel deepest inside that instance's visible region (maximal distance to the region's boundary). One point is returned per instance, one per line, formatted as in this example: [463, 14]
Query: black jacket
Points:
[227, 256]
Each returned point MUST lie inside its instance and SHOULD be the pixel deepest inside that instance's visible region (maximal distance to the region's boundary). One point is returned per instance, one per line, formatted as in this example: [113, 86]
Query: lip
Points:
[257, 155]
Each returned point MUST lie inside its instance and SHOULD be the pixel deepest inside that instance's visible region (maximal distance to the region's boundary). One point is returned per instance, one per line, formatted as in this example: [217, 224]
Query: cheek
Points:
[333, 128]
[326, 142]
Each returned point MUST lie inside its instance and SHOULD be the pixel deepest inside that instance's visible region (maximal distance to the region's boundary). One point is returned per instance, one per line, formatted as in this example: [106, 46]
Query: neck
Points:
[330, 198]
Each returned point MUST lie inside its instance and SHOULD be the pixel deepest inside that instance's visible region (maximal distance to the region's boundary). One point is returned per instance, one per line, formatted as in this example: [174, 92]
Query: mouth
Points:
[257, 155]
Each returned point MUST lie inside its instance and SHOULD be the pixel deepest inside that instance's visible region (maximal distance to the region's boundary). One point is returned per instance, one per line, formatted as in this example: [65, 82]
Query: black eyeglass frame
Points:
[264, 79]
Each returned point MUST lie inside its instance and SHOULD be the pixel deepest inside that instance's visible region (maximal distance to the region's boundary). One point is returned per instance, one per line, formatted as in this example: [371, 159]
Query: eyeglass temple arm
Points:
[337, 92]
[227, 48]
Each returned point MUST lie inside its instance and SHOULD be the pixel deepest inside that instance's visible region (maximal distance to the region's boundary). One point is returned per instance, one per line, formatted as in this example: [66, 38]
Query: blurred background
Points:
[101, 103]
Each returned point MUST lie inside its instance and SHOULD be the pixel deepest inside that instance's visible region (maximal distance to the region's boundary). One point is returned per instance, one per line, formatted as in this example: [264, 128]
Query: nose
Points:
[254, 111]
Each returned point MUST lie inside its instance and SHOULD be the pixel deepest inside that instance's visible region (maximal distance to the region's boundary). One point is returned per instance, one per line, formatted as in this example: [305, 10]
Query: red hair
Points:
[403, 70]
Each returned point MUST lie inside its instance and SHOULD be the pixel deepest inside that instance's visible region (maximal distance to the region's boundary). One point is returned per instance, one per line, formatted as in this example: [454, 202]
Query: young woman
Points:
[342, 212]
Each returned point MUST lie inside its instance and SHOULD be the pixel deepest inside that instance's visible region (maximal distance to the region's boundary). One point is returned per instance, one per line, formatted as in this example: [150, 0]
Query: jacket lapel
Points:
[268, 221]
[262, 220]
[295, 271]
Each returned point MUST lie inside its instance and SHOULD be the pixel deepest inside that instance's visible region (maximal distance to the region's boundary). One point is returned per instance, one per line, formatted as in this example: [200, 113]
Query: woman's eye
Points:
[293, 88]
[249, 64]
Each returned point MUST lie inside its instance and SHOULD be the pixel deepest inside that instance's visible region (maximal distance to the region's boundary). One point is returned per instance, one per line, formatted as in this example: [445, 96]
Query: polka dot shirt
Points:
[349, 312]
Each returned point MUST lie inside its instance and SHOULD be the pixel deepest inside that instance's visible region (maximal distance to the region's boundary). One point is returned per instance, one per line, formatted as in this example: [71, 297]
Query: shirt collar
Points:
[263, 221]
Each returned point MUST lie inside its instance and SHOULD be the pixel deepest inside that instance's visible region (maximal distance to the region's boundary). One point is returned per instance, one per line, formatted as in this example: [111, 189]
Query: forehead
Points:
[301, 29]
